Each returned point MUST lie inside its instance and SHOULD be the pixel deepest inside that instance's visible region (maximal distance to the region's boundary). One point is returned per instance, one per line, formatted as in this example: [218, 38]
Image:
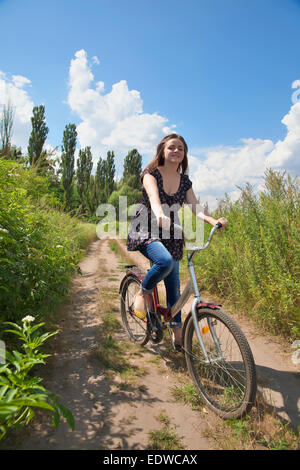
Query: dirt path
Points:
[278, 377]
[109, 416]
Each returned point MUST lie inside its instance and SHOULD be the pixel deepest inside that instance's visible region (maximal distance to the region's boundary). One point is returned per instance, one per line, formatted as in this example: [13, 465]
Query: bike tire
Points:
[228, 385]
[135, 327]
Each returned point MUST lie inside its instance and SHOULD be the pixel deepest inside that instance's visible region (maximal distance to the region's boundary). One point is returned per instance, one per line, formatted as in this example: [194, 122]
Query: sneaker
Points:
[140, 313]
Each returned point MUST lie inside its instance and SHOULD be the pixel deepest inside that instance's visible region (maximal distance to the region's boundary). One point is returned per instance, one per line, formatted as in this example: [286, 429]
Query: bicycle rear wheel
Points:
[136, 328]
[227, 383]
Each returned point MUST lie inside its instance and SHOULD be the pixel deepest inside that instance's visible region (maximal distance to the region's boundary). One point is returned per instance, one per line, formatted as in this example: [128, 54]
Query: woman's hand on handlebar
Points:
[223, 223]
[164, 222]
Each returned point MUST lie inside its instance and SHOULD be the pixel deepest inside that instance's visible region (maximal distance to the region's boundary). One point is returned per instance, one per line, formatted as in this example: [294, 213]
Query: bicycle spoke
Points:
[223, 379]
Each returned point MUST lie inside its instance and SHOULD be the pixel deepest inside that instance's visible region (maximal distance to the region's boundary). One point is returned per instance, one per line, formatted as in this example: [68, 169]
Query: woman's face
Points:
[174, 151]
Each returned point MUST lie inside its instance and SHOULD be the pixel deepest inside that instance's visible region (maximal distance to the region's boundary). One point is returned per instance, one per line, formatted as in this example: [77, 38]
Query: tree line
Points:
[77, 187]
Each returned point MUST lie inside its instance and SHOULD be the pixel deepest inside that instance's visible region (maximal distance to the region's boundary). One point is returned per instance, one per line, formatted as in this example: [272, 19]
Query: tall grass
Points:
[40, 245]
[255, 262]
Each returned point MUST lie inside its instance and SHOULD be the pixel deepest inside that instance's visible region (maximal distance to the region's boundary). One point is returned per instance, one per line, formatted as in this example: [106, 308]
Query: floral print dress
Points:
[144, 228]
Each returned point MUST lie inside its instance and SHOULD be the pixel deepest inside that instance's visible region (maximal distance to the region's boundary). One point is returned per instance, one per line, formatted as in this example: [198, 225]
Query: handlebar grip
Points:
[219, 225]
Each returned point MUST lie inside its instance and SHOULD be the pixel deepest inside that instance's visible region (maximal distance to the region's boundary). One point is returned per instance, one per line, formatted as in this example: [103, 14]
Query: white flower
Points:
[59, 246]
[3, 230]
[28, 318]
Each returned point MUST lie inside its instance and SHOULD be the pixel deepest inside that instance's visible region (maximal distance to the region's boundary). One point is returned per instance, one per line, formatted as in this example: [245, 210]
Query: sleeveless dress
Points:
[144, 228]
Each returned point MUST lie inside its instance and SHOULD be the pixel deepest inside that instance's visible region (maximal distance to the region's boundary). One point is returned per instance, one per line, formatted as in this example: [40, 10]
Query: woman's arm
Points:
[194, 205]
[150, 185]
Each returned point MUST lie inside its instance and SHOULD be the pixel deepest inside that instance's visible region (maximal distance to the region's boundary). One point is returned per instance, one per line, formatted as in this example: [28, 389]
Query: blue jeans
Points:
[164, 268]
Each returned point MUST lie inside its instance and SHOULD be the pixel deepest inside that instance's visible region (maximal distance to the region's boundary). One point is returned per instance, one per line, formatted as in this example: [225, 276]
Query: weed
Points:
[188, 394]
[164, 438]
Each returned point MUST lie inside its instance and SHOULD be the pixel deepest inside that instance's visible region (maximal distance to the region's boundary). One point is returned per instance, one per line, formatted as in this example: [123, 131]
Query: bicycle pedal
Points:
[165, 313]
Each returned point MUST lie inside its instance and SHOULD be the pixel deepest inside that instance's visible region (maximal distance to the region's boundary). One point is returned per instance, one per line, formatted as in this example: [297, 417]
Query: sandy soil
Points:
[111, 417]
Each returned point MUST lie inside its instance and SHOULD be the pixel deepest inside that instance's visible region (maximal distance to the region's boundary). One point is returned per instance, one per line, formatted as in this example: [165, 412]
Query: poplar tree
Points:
[38, 134]
[110, 171]
[6, 128]
[100, 181]
[84, 170]
[67, 163]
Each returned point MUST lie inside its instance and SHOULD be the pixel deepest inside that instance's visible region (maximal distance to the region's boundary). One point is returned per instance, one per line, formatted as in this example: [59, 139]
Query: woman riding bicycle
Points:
[165, 187]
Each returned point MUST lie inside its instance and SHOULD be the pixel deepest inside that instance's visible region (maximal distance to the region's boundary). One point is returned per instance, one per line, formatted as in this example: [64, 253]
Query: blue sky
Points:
[219, 72]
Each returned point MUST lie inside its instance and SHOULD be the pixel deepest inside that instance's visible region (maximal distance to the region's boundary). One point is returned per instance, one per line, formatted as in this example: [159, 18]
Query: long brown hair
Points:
[159, 159]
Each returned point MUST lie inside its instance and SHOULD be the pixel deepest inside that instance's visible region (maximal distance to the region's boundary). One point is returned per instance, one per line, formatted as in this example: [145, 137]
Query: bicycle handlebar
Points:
[197, 248]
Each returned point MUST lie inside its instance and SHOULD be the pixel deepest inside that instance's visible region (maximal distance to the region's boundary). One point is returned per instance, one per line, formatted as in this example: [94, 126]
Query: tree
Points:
[6, 128]
[132, 168]
[110, 171]
[38, 134]
[67, 162]
[84, 170]
[100, 181]
[94, 195]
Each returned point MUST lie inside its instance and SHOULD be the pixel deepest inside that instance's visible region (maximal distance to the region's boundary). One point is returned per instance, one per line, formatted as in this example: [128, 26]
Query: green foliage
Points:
[38, 134]
[133, 197]
[67, 163]
[100, 180]
[39, 246]
[110, 171]
[83, 174]
[132, 169]
[255, 262]
[20, 391]
[6, 126]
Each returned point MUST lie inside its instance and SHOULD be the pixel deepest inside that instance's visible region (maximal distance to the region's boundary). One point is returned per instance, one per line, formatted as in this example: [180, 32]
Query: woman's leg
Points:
[162, 265]
[172, 284]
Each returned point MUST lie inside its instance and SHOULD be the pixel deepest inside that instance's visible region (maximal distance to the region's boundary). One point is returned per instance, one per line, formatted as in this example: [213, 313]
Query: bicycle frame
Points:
[192, 287]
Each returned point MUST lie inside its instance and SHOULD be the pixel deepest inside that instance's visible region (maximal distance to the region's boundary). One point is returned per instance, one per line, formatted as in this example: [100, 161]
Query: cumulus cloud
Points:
[115, 120]
[222, 168]
[12, 90]
[217, 170]
[112, 120]
[287, 151]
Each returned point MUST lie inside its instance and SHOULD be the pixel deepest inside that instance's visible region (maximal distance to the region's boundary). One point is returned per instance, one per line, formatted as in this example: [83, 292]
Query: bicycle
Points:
[217, 353]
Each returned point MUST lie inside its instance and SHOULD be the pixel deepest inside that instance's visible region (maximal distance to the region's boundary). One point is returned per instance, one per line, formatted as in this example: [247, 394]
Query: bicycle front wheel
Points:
[227, 380]
[136, 328]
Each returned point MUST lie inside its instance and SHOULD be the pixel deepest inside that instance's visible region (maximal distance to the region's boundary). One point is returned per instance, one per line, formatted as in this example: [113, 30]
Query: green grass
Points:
[40, 246]
[187, 394]
[166, 437]
[255, 263]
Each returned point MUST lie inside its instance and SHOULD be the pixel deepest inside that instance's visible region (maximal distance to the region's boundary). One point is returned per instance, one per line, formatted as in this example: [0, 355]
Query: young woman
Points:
[164, 185]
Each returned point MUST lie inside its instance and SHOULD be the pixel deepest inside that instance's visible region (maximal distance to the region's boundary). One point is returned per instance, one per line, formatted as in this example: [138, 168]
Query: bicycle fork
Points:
[196, 301]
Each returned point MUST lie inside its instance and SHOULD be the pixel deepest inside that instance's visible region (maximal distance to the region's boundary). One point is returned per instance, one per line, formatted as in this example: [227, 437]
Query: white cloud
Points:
[114, 120]
[287, 151]
[12, 90]
[20, 81]
[222, 168]
[95, 60]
